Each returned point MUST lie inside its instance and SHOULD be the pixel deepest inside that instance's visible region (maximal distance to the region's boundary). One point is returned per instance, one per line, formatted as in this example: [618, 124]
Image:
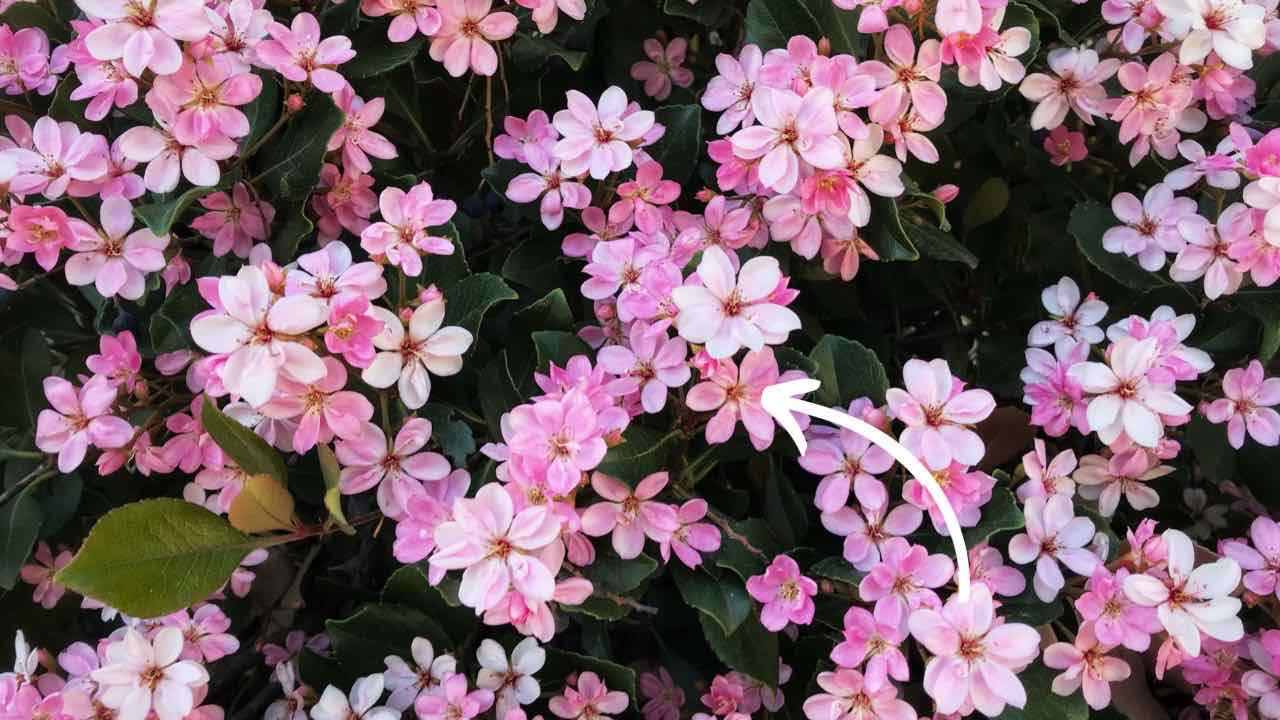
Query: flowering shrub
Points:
[420, 358]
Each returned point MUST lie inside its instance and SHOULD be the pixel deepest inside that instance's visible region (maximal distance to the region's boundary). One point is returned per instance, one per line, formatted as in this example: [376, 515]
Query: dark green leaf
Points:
[363, 641]
[453, 436]
[939, 245]
[471, 297]
[681, 145]
[289, 166]
[557, 346]
[20, 520]
[161, 217]
[613, 574]
[529, 53]
[249, 451]
[744, 561]
[408, 586]
[838, 569]
[886, 235]
[1088, 223]
[751, 650]
[847, 370]
[1000, 514]
[643, 451]
[263, 110]
[375, 54]
[718, 597]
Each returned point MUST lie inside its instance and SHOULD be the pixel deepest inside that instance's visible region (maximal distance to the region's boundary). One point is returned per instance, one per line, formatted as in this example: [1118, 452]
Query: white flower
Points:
[1231, 28]
[1071, 318]
[1191, 600]
[333, 704]
[141, 676]
[427, 350]
[406, 682]
[1125, 399]
[728, 312]
[512, 683]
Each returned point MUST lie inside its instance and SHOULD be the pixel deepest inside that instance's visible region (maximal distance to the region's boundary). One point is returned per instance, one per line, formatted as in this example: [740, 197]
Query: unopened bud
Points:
[429, 294]
[293, 103]
[406, 314]
[824, 46]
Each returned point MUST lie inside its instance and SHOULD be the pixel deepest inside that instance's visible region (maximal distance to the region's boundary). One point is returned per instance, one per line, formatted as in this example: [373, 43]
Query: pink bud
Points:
[946, 193]
[294, 103]
[429, 293]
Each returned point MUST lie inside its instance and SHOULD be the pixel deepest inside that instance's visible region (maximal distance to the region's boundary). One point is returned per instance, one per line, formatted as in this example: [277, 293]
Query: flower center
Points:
[732, 305]
[971, 648]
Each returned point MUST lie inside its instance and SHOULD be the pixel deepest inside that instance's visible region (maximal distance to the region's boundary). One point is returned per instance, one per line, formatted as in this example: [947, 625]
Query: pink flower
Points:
[75, 421]
[43, 230]
[691, 537]
[1047, 477]
[354, 137]
[406, 683]
[466, 30]
[729, 93]
[1086, 664]
[1076, 88]
[402, 235]
[234, 222]
[629, 515]
[1055, 396]
[968, 490]
[1124, 474]
[453, 701]
[424, 510]
[938, 413]
[118, 361]
[143, 35]
[498, 548]
[643, 196]
[1065, 146]
[329, 273]
[561, 436]
[664, 71]
[170, 159]
[867, 529]
[976, 656]
[204, 633]
[59, 154]
[324, 408]
[397, 469]
[258, 331]
[1207, 254]
[556, 191]
[1072, 318]
[352, 328]
[1053, 535]
[786, 594]
[298, 53]
[410, 18]
[875, 639]
[1247, 406]
[590, 700]
[852, 696]
[25, 58]
[735, 396]
[208, 94]
[910, 81]
[652, 365]
[843, 255]
[1124, 397]
[988, 568]
[41, 572]
[1150, 228]
[113, 259]
[844, 459]
[526, 139]
[1116, 620]
[792, 129]
[663, 698]
[1261, 559]
[408, 360]
[109, 85]
[140, 676]
[905, 578]
[729, 310]
[597, 138]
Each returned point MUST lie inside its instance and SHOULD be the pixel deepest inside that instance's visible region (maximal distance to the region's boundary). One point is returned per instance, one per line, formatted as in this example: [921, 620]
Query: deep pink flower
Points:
[76, 420]
[875, 639]
[298, 53]
[204, 633]
[453, 702]
[424, 510]
[850, 695]
[1115, 618]
[40, 573]
[786, 594]
[590, 700]
[118, 360]
[938, 413]
[653, 365]
[562, 436]
[402, 235]
[664, 69]
[642, 196]
[735, 396]
[409, 18]
[526, 139]
[868, 528]
[1057, 401]
[352, 328]
[467, 27]
[909, 81]
[354, 137]
[691, 537]
[323, 409]
[1065, 146]
[986, 567]
[24, 57]
[234, 222]
[663, 698]
[43, 230]
[208, 94]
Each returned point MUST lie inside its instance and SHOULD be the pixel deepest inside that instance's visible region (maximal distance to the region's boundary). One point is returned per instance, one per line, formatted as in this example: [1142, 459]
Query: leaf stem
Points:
[33, 478]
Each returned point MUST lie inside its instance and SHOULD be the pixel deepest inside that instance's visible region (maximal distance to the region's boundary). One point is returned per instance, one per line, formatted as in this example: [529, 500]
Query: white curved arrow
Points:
[782, 399]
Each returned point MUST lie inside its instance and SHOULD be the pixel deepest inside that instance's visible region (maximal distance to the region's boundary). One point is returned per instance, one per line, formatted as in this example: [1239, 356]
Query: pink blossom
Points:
[467, 28]
[1207, 253]
[664, 69]
[524, 140]
[1116, 620]
[729, 310]
[976, 656]
[629, 515]
[409, 18]
[407, 682]
[968, 490]
[1053, 535]
[170, 159]
[691, 537]
[906, 578]
[597, 138]
[398, 469]
[24, 55]
[590, 700]
[115, 260]
[1262, 683]
[557, 192]
[562, 436]
[1047, 477]
[1076, 86]
[59, 154]
[204, 633]
[402, 235]
[334, 704]
[43, 230]
[425, 508]
[652, 365]
[118, 360]
[987, 568]
[643, 196]
[139, 676]
[1126, 473]
[234, 222]
[875, 639]
[910, 80]
[347, 201]
[1247, 406]
[792, 129]
[729, 93]
[299, 54]
[734, 393]
[453, 701]
[867, 529]
[852, 696]
[546, 14]
[938, 413]
[352, 329]
[208, 94]
[844, 459]
[1065, 146]
[408, 360]
[1055, 396]
[843, 255]
[1261, 559]
[354, 137]
[1086, 664]
[1150, 228]
[324, 408]
[143, 35]
[109, 85]
[76, 420]
[1125, 400]
[663, 698]
[40, 573]
[786, 594]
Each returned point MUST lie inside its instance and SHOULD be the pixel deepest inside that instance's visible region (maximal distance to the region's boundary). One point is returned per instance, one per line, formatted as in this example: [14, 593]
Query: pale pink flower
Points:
[557, 192]
[729, 310]
[938, 413]
[629, 515]
[402, 235]
[354, 137]
[906, 578]
[298, 53]
[409, 18]
[40, 573]
[204, 633]
[597, 138]
[406, 683]
[844, 459]
[168, 159]
[562, 438]
[328, 273]
[1262, 683]
[734, 393]
[1116, 619]
[113, 259]
[729, 93]
[408, 360]
[850, 695]
[467, 27]
[58, 155]
[24, 55]
[1207, 254]
[237, 28]
[792, 129]
[452, 701]
[1124, 474]
[875, 639]
[398, 469]
[1232, 29]
[1247, 406]
[259, 331]
[1125, 400]
[144, 35]
[76, 420]
[976, 657]
[967, 489]
[867, 529]
[511, 680]
[526, 139]
[590, 700]
[1150, 227]
[1047, 477]
[644, 196]
[843, 255]
[208, 94]
[652, 365]
[691, 537]
[1075, 86]
[1086, 664]
[498, 547]
[234, 222]
[361, 705]
[1261, 559]
[109, 85]
[986, 567]
[426, 507]
[322, 408]
[910, 80]
[1191, 600]
[139, 676]
[664, 69]
[1071, 318]
[1053, 535]
[787, 595]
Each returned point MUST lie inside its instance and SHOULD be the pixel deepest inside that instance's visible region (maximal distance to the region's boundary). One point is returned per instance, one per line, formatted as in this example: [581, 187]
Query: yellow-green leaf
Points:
[262, 505]
[243, 445]
[332, 494]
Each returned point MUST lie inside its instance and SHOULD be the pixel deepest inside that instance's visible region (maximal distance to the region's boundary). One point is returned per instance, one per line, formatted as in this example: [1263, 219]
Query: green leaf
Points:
[939, 245]
[1000, 514]
[1088, 223]
[290, 165]
[154, 557]
[34, 365]
[703, 12]
[557, 346]
[470, 298]
[295, 228]
[375, 54]
[751, 650]
[161, 217]
[680, 146]
[1216, 458]
[719, 598]
[530, 53]
[263, 110]
[20, 521]
[363, 641]
[332, 474]
[561, 663]
[1027, 608]
[886, 235]
[408, 586]
[613, 574]
[453, 436]
[170, 327]
[241, 444]
[21, 15]
[734, 555]
[838, 569]
[1042, 702]
[771, 23]
[599, 608]
[1266, 308]
[988, 203]
[783, 508]
[847, 370]
[642, 452]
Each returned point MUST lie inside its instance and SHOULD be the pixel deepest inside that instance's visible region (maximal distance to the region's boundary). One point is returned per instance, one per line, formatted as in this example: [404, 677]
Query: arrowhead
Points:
[781, 399]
